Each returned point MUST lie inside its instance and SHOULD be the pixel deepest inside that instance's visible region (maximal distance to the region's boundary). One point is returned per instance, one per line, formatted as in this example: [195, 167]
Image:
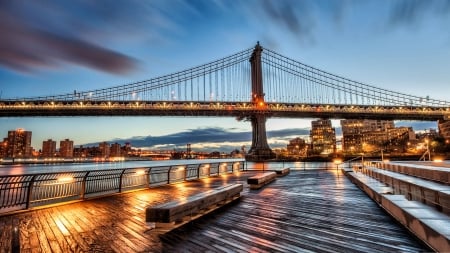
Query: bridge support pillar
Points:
[260, 149]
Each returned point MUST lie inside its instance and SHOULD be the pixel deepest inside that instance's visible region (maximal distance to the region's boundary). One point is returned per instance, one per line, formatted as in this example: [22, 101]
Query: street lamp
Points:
[337, 161]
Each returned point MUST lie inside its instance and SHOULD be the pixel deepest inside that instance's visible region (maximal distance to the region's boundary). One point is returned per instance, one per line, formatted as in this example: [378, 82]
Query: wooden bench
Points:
[171, 215]
[259, 180]
[282, 172]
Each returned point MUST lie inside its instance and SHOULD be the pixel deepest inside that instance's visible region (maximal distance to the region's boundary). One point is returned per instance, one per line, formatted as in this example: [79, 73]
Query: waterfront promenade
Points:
[305, 211]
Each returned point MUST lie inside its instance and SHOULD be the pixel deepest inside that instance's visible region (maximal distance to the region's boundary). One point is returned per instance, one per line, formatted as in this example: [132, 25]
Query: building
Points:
[297, 147]
[115, 150]
[19, 144]
[104, 149]
[48, 148]
[444, 129]
[3, 146]
[358, 134]
[66, 148]
[323, 137]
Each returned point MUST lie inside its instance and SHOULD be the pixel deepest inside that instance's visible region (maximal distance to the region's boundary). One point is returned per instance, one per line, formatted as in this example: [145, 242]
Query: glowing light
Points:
[65, 179]
[337, 161]
[140, 172]
[437, 160]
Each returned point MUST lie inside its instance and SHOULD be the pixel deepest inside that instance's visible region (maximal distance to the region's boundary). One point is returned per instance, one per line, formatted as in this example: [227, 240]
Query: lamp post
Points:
[337, 161]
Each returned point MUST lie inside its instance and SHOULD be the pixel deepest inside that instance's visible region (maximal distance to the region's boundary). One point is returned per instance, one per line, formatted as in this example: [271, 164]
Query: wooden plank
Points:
[309, 211]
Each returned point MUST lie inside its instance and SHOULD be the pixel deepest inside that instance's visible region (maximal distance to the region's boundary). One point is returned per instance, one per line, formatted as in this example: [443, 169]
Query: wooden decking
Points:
[315, 211]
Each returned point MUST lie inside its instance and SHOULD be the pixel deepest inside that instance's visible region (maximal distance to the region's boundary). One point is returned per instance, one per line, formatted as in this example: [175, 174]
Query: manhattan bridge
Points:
[252, 85]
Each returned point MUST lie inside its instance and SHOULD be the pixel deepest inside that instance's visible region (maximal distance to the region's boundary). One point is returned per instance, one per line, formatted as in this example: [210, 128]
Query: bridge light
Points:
[109, 103]
[261, 103]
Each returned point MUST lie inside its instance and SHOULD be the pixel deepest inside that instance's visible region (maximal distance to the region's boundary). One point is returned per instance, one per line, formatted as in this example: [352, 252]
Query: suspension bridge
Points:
[253, 84]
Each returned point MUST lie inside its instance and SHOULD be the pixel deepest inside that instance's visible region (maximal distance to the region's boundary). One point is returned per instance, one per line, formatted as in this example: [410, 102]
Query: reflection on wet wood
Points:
[318, 211]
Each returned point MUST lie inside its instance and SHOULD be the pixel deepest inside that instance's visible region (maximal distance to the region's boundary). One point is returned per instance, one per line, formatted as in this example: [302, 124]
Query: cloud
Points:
[27, 45]
[207, 139]
[417, 125]
[411, 12]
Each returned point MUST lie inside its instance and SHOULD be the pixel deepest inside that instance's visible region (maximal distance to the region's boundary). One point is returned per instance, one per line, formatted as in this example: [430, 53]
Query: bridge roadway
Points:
[305, 211]
[13, 108]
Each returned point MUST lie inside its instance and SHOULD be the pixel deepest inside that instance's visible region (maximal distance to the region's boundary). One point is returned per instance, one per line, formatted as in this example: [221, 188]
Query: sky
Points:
[54, 47]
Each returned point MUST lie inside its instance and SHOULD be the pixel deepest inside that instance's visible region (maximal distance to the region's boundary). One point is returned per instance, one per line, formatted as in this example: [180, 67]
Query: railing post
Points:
[83, 185]
[198, 170]
[168, 175]
[30, 192]
[149, 180]
[120, 180]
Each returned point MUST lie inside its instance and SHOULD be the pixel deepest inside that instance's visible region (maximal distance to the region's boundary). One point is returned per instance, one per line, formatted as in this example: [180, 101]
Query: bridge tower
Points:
[260, 150]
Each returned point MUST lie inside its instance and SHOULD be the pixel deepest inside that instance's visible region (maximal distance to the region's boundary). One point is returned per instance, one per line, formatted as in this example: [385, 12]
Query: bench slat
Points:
[259, 180]
[175, 211]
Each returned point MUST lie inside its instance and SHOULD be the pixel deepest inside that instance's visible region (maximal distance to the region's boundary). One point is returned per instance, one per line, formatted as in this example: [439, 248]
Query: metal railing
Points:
[20, 192]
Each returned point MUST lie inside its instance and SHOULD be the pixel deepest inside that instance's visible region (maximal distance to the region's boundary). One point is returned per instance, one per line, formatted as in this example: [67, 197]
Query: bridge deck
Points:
[304, 211]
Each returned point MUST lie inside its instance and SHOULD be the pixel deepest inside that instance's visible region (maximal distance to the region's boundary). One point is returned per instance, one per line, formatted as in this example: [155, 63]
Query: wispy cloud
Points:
[43, 34]
[29, 42]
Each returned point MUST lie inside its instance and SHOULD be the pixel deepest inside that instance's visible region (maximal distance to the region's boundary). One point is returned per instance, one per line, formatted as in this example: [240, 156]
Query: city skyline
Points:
[389, 48]
[226, 141]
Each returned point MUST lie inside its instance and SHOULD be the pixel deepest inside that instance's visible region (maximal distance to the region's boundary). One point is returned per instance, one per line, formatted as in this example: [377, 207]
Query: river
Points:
[19, 169]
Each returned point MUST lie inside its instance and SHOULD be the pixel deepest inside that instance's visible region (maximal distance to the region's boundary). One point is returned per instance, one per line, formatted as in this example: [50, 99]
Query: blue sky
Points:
[53, 47]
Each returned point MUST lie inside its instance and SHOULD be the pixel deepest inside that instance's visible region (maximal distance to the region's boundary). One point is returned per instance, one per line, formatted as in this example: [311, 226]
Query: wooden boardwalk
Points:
[305, 211]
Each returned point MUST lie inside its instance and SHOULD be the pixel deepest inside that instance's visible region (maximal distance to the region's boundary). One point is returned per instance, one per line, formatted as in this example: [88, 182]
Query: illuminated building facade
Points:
[18, 144]
[104, 149]
[444, 129]
[115, 150]
[66, 148]
[359, 136]
[323, 137]
[297, 146]
[49, 148]
[3, 146]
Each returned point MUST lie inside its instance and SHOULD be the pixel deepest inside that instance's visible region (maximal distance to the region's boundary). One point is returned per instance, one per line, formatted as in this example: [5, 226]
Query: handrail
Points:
[25, 191]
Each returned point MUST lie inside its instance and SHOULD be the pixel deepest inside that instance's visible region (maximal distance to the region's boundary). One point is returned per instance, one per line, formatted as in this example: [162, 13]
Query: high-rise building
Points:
[357, 133]
[115, 150]
[66, 148]
[444, 129]
[323, 137]
[19, 144]
[49, 148]
[3, 146]
[104, 149]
